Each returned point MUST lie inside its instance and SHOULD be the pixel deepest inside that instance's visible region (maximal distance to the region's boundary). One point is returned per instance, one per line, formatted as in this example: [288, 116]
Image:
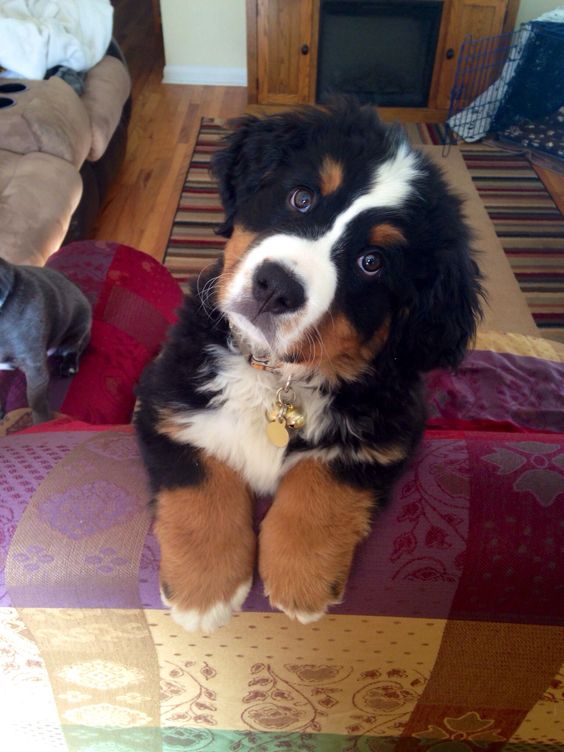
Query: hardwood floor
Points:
[142, 201]
[164, 124]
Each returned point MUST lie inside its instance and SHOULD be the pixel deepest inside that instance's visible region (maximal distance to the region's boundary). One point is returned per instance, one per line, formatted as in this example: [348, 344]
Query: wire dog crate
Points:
[494, 71]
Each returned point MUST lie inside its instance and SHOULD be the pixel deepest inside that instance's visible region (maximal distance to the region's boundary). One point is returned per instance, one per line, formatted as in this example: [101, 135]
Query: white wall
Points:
[205, 42]
[529, 9]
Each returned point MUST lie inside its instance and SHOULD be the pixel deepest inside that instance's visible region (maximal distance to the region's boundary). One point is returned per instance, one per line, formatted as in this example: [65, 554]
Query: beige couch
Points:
[57, 153]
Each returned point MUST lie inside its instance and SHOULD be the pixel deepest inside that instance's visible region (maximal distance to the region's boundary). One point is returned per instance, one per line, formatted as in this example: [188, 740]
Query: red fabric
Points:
[454, 424]
[65, 423]
[103, 389]
[136, 304]
[517, 492]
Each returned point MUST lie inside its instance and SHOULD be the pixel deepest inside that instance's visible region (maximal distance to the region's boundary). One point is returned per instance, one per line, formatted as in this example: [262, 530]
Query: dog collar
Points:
[262, 361]
[263, 364]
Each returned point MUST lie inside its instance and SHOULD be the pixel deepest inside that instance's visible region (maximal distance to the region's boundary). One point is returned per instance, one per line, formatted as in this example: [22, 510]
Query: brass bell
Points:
[278, 410]
[294, 419]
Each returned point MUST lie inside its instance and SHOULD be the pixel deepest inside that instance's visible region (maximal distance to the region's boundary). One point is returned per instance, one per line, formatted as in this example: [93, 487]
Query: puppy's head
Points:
[344, 243]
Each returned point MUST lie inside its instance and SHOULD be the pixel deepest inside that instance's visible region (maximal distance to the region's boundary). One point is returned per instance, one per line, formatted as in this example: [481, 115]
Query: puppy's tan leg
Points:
[207, 547]
[308, 537]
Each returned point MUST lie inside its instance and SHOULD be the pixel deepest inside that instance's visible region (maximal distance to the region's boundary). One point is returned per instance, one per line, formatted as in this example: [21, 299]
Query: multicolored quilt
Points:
[449, 638]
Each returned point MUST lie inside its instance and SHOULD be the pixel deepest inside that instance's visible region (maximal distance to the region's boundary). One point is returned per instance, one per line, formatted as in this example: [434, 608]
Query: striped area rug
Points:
[528, 223]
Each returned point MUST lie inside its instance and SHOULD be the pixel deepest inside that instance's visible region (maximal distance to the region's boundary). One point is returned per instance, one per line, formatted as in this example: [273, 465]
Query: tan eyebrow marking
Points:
[331, 175]
[386, 235]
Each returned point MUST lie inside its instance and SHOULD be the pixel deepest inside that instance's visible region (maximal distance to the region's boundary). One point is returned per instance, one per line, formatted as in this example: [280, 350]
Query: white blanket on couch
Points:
[36, 35]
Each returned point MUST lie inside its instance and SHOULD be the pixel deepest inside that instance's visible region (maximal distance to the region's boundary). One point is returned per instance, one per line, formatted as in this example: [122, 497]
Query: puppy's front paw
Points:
[207, 547]
[308, 538]
[301, 578]
[207, 620]
[206, 573]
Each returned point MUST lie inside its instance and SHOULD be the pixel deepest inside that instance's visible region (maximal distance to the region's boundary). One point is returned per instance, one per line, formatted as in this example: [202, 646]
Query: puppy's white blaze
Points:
[233, 427]
[391, 185]
[218, 615]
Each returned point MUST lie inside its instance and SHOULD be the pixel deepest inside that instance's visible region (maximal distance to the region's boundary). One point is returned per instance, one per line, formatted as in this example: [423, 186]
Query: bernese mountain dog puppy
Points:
[295, 366]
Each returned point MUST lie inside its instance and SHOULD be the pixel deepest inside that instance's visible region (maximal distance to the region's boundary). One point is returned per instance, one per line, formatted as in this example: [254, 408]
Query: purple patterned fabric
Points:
[477, 495]
[71, 512]
[149, 573]
[491, 386]
[78, 542]
[513, 561]
[25, 463]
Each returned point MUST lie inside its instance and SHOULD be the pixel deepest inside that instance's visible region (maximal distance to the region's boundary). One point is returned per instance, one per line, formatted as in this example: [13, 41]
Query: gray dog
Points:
[42, 313]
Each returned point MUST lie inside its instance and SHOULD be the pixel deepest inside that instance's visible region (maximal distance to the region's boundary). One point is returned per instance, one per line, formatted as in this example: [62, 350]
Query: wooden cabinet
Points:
[286, 50]
[282, 40]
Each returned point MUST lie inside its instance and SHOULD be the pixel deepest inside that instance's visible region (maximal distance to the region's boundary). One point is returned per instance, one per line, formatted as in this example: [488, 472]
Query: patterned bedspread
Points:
[449, 638]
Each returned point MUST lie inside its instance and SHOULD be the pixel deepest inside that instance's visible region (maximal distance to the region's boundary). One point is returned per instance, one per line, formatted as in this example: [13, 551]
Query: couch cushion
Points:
[106, 90]
[134, 300]
[506, 382]
[38, 194]
[48, 117]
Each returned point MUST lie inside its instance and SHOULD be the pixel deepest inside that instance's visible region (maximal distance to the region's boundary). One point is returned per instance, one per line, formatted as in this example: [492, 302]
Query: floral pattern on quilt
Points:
[432, 519]
[187, 693]
[22, 471]
[535, 468]
[466, 733]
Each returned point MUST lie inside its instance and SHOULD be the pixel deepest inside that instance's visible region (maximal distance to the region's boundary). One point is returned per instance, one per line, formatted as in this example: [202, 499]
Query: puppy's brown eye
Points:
[371, 263]
[301, 199]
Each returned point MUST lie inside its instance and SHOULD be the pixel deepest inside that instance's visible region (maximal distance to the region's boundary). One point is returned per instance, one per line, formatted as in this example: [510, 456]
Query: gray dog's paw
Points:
[68, 365]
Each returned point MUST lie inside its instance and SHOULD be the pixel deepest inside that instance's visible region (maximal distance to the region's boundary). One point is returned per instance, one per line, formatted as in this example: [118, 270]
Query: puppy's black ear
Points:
[439, 300]
[252, 152]
[435, 329]
[7, 278]
[233, 168]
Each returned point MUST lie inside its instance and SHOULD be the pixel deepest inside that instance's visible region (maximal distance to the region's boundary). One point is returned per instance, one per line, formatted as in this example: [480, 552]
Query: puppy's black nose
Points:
[277, 289]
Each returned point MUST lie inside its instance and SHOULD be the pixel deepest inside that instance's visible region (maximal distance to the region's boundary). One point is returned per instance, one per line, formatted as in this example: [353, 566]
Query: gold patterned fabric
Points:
[348, 683]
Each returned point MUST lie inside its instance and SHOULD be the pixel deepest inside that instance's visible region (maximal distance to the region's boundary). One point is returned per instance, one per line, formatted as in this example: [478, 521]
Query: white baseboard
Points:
[195, 74]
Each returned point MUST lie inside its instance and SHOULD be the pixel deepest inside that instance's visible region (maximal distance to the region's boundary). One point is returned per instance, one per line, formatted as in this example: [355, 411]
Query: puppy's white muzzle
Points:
[281, 288]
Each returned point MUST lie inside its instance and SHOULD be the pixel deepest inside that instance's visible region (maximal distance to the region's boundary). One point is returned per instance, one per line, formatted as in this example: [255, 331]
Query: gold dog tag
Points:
[277, 433]
[282, 416]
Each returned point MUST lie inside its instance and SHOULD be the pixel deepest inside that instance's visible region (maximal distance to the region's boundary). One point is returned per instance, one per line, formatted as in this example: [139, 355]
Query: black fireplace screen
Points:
[383, 51]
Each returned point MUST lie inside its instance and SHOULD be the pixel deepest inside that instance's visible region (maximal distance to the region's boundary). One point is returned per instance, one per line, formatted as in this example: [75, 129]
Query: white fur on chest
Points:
[233, 426]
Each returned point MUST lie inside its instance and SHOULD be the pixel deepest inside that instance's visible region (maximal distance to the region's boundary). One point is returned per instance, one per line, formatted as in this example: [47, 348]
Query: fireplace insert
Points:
[382, 51]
